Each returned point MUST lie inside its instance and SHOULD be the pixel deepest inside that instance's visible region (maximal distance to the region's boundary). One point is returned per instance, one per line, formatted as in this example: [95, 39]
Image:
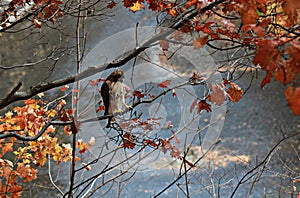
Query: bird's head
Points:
[117, 75]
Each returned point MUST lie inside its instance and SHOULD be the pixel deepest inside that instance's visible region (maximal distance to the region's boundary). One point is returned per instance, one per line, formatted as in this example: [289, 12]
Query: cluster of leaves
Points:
[218, 95]
[41, 10]
[269, 29]
[29, 121]
[166, 145]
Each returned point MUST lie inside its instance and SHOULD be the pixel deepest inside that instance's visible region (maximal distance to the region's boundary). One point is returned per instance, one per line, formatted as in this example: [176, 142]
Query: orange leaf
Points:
[100, 108]
[235, 93]
[218, 95]
[266, 80]
[136, 6]
[200, 42]
[164, 84]
[37, 23]
[293, 97]
[172, 12]
[64, 88]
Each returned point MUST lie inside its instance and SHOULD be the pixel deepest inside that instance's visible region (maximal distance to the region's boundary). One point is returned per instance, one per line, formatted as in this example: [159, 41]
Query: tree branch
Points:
[121, 60]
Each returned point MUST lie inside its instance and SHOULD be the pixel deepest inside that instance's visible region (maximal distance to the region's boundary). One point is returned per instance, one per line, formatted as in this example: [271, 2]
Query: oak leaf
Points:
[200, 42]
[217, 95]
[203, 105]
[235, 93]
[293, 97]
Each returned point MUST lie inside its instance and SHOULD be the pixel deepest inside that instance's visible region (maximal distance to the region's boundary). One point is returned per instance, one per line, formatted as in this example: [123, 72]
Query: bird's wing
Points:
[105, 96]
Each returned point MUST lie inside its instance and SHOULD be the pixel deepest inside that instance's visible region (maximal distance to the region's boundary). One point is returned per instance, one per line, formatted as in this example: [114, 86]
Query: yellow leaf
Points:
[51, 113]
[136, 6]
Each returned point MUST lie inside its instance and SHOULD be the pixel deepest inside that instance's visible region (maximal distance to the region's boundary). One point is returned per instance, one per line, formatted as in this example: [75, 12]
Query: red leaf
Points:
[111, 4]
[235, 93]
[138, 94]
[293, 97]
[164, 45]
[200, 42]
[164, 84]
[203, 105]
[100, 108]
[64, 88]
[267, 55]
[128, 141]
[266, 80]
[150, 143]
[193, 105]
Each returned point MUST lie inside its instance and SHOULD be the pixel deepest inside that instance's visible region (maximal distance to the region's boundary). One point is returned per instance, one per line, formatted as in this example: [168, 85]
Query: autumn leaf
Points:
[64, 88]
[111, 4]
[291, 8]
[136, 6]
[138, 94]
[266, 55]
[172, 12]
[190, 3]
[37, 23]
[203, 105]
[178, 35]
[200, 42]
[164, 84]
[100, 108]
[217, 95]
[266, 80]
[293, 97]
[164, 45]
[128, 141]
[150, 143]
[235, 93]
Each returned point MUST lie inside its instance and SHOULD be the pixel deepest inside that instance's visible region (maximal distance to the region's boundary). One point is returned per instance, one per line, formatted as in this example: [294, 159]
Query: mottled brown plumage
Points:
[113, 94]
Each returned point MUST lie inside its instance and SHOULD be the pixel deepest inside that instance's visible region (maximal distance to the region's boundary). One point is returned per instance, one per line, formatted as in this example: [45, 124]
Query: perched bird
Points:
[113, 92]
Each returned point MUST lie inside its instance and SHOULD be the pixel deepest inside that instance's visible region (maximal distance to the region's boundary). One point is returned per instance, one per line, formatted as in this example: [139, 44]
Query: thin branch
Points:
[241, 181]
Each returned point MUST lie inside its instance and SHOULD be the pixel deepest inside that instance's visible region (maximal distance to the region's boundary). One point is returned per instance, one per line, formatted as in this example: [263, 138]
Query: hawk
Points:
[113, 92]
